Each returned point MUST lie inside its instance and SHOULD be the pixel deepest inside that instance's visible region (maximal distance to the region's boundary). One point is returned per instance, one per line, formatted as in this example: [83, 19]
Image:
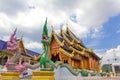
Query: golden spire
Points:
[60, 29]
[67, 27]
[53, 29]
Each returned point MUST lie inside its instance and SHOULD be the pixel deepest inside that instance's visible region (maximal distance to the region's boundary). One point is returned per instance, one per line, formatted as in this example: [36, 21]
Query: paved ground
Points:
[86, 78]
[105, 78]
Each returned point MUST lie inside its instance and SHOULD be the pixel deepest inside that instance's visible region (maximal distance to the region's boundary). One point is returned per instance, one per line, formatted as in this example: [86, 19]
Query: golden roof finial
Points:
[91, 50]
[60, 29]
[67, 25]
[53, 29]
[67, 29]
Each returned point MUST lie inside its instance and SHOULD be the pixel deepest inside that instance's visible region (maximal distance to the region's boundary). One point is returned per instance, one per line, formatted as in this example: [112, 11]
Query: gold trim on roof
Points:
[66, 53]
[91, 50]
[80, 52]
[37, 57]
[71, 35]
[60, 43]
[20, 42]
[84, 48]
[68, 30]
[71, 43]
[55, 36]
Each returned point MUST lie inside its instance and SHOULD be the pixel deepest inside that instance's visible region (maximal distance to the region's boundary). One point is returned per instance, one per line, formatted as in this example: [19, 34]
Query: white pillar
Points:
[29, 61]
[8, 58]
[20, 61]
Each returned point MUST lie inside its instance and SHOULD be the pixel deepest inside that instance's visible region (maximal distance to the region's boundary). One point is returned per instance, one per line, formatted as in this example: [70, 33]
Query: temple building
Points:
[26, 54]
[66, 47]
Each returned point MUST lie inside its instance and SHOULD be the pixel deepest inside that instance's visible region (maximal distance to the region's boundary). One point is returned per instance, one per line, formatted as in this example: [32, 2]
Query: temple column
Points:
[90, 63]
[69, 61]
[29, 62]
[20, 61]
[8, 58]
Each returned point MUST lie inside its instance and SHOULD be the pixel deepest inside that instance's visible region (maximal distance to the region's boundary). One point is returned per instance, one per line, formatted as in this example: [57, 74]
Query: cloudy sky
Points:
[95, 22]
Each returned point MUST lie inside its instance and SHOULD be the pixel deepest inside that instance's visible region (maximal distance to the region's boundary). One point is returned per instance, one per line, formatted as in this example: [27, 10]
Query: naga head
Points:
[45, 37]
[12, 45]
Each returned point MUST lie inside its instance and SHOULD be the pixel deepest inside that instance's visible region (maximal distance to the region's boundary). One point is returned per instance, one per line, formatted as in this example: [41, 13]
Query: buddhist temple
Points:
[66, 47]
[27, 55]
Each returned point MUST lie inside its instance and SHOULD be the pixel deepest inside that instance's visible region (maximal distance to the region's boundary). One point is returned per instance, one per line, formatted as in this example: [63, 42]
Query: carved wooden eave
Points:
[77, 51]
[77, 58]
[92, 53]
[66, 52]
[83, 48]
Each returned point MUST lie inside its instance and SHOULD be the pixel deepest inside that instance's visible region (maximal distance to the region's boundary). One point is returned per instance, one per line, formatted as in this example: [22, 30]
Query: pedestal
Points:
[10, 76]
[43, 75]
[0, 76]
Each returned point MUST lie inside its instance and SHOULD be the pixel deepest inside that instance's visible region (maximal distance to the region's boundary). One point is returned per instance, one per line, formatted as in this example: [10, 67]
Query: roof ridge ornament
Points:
[53, 31]
[61, 31]
[67, 29]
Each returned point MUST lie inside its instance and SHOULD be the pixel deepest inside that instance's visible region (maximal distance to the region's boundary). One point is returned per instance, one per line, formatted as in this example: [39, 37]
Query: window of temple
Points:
[65, 61]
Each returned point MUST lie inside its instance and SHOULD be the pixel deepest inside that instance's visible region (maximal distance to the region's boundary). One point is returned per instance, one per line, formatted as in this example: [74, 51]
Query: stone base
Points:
[10, 76]
[43, 75]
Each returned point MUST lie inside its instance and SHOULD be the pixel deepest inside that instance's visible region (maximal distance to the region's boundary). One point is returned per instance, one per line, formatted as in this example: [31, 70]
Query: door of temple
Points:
[86, 63]
[76, 64]
[55, 58]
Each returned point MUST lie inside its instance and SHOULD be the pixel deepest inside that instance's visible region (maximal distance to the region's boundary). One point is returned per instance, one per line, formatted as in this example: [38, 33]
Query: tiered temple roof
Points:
[70, 44]
[27, 52]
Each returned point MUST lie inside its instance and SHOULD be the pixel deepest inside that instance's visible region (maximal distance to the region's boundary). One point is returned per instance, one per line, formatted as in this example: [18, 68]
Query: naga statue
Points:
[44, 57]
[12, 64]
[46, 44]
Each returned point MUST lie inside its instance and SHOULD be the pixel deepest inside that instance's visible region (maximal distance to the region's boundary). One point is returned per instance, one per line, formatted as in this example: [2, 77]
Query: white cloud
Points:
[90, 15]
[97, 32]
[13, 7]
[33, 45]
[100, 51]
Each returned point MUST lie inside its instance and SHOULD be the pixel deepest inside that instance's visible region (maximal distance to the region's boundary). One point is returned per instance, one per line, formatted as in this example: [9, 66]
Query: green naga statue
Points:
[46, 44]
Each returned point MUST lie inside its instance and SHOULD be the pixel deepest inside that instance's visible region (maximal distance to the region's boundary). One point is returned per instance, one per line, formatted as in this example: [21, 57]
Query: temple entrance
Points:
[65, 61]
[3, 60]
[55, 58]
